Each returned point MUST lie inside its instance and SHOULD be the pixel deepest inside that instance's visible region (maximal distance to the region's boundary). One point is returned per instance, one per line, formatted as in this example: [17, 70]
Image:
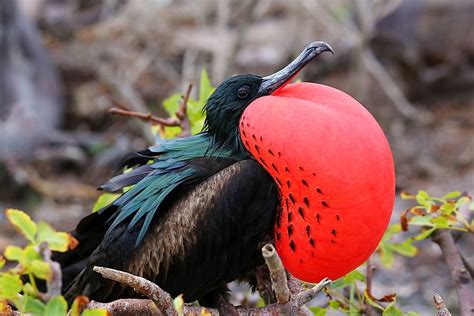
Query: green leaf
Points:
[104, 200]
[41, 269]
[318, 311]
[205, 87]
[386, 257]
[471, 206]
[421, 220]
[395, 228]
[448, 207]
[57, 241]
[371, 302]
[407, 196]
[423, 194]
[13, 253]
[334, 304]
[28, 304]
[463, 200]
[29, 289]
[440, 222]
[451, 195]
[22, 222]
[56, 306]
[424, 234]
[29, 254]
[178, 304]
[95, 312]
[2, 262]
[261, 302]
[392, 311]
[405, 248]
[353, 276]
[338, 284]
[171, 104]
[10, 285]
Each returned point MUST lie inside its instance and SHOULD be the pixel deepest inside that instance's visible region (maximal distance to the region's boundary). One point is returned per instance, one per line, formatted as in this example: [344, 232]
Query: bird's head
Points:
[226, 105]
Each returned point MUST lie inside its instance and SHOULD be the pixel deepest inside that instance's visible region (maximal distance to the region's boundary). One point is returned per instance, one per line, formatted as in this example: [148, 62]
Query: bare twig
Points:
[147, 117]
[467, 264]
[128, 306]
[305, 296]
[439, 304]
[181, 120]
[370, 269]
[161, 298]
[55, 282]
[459, 274]
[182, 113]
[277, 274]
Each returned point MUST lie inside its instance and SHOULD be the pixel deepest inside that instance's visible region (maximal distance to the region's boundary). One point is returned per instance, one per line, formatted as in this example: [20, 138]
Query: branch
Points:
[128, 306]
[181, 120]
[277, 274]
[147, 117]
[162, 299]
[439, 304]
[304, 297]
[55, 283]
[182, 113]
[370, 268]
[459, 274]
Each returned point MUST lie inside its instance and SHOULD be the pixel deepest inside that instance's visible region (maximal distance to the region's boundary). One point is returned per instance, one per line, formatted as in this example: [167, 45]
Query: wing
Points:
[204, 237]
[164, 176]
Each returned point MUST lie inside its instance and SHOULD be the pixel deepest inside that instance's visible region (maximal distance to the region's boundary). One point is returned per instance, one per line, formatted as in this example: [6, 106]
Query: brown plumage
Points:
[207, 236]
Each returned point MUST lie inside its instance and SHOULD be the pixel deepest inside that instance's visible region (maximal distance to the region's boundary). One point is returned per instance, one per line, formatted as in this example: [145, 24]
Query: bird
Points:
[272, 164]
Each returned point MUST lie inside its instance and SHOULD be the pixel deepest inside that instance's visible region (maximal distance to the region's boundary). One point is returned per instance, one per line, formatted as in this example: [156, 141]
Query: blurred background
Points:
[64, 63]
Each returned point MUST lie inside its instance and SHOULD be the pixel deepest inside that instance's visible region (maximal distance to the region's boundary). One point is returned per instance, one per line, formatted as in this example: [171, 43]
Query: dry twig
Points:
[439, 304]
[277, 274]
[161, 298]
[370, 269]
[181, 120]
[461, 277]
[55, 283]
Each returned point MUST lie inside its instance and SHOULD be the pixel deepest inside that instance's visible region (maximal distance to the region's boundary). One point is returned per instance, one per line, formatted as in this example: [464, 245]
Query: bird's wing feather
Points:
[153, 182]
[203, 237]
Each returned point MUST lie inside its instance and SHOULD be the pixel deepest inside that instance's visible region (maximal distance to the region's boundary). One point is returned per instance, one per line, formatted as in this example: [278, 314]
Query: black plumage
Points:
[207, 235]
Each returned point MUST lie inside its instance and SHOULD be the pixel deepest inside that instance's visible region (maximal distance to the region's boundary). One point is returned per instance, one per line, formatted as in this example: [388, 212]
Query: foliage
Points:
[434, 213]
[430, 214]
[346, 295]
[194, 107]
[18, 284]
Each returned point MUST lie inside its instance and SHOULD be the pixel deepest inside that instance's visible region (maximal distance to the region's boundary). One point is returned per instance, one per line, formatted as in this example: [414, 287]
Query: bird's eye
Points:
[243, 92]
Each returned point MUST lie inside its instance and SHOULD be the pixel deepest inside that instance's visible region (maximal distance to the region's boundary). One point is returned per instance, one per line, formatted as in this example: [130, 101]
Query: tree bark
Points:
[459, 274]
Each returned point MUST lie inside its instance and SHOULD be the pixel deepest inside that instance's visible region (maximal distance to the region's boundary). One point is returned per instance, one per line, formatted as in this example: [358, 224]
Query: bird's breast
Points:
[334, 170]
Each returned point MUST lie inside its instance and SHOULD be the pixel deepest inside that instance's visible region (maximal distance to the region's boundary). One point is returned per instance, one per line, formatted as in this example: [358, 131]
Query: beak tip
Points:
[321, 47]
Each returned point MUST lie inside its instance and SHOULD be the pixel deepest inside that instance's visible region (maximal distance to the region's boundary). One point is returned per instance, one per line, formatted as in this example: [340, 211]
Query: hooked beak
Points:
[271, 83]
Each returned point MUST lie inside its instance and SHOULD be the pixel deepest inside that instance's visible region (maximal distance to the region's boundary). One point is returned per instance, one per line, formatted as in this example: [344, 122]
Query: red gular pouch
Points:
[335, 173]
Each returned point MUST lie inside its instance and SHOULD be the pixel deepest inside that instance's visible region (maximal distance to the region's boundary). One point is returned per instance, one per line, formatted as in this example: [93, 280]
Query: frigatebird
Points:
[268, 166]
